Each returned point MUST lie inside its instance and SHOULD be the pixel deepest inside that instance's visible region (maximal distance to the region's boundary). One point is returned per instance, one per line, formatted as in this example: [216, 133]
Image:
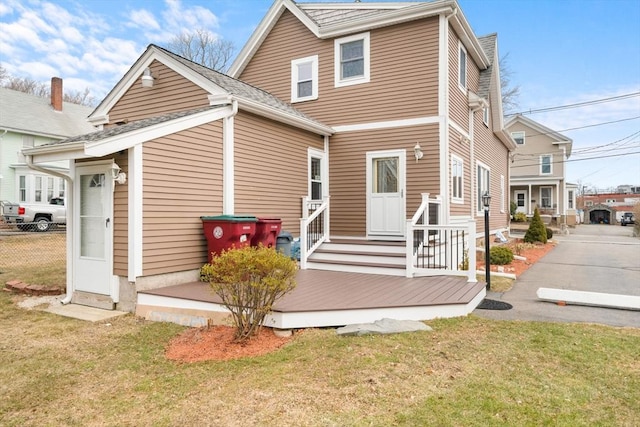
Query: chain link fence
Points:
[31, 256]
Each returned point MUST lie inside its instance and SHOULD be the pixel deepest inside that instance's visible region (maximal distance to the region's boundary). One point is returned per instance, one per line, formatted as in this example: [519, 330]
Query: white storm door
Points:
[385, 193]
[93, 208]
[521, 201]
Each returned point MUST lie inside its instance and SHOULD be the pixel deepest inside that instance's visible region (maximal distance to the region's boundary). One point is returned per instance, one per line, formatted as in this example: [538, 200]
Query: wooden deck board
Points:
[330, 290]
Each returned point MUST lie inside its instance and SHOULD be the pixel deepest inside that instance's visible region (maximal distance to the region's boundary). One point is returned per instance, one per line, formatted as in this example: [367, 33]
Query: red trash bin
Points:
[227, 232]
[267, 230]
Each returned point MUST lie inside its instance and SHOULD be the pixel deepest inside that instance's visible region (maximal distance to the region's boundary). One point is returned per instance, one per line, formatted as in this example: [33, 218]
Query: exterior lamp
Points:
[417, 151]
[147, 78]
[117, 175]
[486, 201]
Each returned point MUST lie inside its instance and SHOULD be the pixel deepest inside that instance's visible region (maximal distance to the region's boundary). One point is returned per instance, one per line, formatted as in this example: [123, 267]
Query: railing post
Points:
[305, 207]
[471, 229]
[303, 242]
[326, 219]
[409, 249]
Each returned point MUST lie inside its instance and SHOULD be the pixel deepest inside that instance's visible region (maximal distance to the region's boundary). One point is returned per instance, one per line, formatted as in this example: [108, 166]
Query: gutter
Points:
[69, 197]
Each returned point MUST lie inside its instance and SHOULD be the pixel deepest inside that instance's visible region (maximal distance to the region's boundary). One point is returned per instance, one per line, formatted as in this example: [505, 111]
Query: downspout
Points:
[228, 174]
[69, 206]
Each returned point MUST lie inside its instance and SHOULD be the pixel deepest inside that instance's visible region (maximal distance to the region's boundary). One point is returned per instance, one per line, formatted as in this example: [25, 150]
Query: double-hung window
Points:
[352, 60]
[316, 174]
[457, 166]
[482, 185]
[22, 188]
[462, 68]
[545, 164]
[304, 79]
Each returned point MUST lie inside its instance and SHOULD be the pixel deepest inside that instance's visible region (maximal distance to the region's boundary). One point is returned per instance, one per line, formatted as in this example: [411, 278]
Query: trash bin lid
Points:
[230, 218]
[285, 235]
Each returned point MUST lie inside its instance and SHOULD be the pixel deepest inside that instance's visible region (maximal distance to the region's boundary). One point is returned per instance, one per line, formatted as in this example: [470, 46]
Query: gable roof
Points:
[33, 115]
[218, 85]
[329, 20]
[557, 138]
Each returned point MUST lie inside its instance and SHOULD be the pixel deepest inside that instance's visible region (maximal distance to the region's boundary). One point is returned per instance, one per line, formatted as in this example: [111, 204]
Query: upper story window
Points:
[304, 79]
[485, 116]
[352, 60]
[518, 137]
[457, 167]
[462, 68]
[545, 164]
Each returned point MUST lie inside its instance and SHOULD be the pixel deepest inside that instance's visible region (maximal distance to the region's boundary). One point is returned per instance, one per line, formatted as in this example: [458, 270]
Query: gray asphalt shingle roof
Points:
[328, 16]
[30, 114]
[488, 44]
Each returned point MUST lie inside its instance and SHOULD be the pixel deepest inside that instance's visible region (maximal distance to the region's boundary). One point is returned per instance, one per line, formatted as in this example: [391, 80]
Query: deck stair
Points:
[360, 256]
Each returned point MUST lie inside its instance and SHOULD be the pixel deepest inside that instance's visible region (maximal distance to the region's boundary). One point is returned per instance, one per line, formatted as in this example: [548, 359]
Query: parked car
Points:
[37, 217]
[627, 218]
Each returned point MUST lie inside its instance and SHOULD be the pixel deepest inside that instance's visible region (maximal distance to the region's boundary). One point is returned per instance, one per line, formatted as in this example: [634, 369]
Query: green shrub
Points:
[500, 255]
[513, 207]
[249, 281]
[520, 217]
[537, 231]
[549, 233]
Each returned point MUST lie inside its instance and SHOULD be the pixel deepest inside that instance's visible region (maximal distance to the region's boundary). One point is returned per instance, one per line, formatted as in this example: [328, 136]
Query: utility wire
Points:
[583, 127]
[577, 105]
[578, 160]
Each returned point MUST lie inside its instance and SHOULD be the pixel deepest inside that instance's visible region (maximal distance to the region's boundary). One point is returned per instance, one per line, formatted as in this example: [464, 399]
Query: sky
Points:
[560, 53]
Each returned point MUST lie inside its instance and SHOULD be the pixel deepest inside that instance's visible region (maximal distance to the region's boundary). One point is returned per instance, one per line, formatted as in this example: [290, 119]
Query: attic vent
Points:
[121, 122]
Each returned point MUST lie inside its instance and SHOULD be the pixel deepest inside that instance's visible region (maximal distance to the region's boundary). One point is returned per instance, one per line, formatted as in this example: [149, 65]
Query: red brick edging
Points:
[20, 287]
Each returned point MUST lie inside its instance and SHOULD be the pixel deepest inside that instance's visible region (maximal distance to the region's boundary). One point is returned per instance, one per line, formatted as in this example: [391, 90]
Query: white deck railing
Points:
[433, 249]
[314, 227]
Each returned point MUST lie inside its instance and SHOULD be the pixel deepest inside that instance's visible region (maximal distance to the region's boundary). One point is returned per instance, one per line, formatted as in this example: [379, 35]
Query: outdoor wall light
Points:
[117, 175]
[147, 78]
[417, 151]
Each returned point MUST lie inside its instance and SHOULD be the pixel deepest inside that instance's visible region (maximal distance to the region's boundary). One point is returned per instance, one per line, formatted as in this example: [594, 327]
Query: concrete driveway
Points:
[594, 258]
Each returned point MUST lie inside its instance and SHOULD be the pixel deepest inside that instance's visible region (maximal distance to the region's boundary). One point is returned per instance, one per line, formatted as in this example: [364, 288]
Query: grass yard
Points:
[34, 258]
[467, 372]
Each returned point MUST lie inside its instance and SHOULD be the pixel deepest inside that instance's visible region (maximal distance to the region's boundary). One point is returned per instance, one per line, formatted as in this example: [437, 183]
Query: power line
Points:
[577, 105]
[578, 160]
[584, 127]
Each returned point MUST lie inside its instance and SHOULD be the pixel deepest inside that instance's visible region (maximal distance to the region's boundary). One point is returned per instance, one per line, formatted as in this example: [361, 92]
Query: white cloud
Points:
[37, 70]
[143, 19]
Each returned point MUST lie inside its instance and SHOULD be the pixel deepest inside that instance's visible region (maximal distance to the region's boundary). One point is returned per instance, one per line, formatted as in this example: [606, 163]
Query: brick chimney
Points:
[56, 93]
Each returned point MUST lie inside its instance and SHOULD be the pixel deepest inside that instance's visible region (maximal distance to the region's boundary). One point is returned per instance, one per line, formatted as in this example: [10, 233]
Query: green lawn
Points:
[467, 372]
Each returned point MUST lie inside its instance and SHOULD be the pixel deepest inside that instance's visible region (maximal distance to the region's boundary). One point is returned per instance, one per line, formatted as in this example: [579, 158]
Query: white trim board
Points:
[388, 124]
[596, 299]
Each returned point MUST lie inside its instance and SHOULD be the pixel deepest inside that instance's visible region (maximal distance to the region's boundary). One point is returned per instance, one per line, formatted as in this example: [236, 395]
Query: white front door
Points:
[385, 193]
[93, 208]
[521, 201]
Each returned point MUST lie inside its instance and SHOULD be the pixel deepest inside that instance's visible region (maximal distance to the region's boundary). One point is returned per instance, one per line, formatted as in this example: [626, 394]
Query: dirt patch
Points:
[216, 343]
[532, 252]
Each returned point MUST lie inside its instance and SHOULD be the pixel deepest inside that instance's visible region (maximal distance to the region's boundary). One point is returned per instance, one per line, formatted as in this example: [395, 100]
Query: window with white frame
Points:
[502, 193]
[518, 137]
[457, 169]
[482, 184]
[462, 68]
[316, 174]
[546, 200]
[22, 188]
[304, 79]
[38, 189]
[352, 60]
[570, 199]
[545, 164]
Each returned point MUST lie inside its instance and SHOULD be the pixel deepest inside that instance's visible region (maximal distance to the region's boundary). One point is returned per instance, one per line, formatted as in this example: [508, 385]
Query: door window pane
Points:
[385, 178]
[92, 219]
[316, 179]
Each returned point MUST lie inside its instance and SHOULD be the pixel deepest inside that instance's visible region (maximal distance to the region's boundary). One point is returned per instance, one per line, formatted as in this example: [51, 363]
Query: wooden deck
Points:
[330, 298]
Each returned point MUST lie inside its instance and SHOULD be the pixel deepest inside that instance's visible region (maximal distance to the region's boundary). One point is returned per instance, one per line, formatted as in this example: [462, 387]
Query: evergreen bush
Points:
[537, 232]
[513, 207]
[549, 233]
[249, 280]
[500, 255]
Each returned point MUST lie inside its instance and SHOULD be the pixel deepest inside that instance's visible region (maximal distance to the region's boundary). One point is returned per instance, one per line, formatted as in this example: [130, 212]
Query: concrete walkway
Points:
[593, 258]
[52, 304]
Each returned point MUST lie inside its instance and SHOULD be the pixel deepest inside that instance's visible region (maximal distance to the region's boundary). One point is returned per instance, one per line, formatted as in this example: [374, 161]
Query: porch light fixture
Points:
[117, 175]
[486, 201]
[417, 151]
[147, 78]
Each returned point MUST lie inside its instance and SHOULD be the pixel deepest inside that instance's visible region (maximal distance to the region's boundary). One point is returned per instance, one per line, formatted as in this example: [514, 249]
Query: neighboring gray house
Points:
[29, 121]
[538, 171]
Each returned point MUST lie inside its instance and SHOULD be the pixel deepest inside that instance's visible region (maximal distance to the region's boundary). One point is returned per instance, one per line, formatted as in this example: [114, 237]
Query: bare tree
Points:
[510, 93]
[203, 47]
[43, 90]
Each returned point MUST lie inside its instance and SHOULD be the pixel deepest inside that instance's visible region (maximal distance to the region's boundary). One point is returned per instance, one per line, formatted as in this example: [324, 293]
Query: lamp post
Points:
[486, 201]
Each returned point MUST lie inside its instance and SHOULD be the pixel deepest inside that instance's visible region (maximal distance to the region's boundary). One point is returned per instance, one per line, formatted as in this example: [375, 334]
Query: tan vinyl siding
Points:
[492, 152]
[404, 72]
[171, 92]
[182, 181]
[348, 172]
[271, 174]
[120, 219]
[527, 157]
